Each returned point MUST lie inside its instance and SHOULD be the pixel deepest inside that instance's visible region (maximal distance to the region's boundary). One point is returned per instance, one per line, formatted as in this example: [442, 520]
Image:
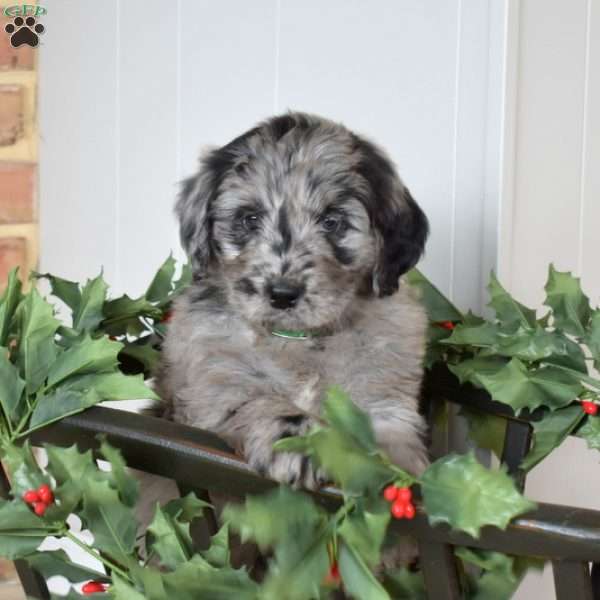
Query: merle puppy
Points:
[298, 232]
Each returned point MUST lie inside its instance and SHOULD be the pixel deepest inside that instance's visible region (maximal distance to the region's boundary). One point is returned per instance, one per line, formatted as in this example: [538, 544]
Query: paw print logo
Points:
[24, 31]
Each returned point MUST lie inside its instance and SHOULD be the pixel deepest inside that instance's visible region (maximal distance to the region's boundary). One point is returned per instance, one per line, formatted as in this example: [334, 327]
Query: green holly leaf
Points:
[112, 386]
[482, 335]
[438, 307]
[521, 388]
[346, 417]
[197, 580]
[170, 539]
[485, 429]
[86, 356]
[590, 431]
[185, 278]
[550, 431]
[186, 509]
[461, 492]
[570, 306]
[358, 579]
[498, 582]
[36, 348]
[124, 482]
[364, 531]
[89, 312]
[150, 580]
[592, 338]
[59, 404]
[470, 370]
[160, 287]
[25, 474]
[112, 524]
[21, 531]
[218, 554]
[8, 303]
[273, 516]
[509, 312]
[122, 315]
[122, 590]
[11, 386]
[145, 354]
[405, 585]
[57, 562]
[63, 289]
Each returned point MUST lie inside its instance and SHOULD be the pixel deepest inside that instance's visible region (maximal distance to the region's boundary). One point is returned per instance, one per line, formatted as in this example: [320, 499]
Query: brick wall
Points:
[18, 158]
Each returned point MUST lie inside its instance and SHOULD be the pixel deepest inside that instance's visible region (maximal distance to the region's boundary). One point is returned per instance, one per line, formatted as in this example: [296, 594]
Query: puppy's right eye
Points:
[250, 222]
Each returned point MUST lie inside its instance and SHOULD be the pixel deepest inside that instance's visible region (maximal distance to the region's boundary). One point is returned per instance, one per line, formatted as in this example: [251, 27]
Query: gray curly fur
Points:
[303, 201]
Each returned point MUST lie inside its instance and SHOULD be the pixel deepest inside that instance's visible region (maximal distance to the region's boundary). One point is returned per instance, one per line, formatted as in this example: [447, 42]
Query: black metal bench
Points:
[569, 537]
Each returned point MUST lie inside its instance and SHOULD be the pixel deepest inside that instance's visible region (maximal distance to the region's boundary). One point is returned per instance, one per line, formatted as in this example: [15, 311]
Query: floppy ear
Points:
[399, 222]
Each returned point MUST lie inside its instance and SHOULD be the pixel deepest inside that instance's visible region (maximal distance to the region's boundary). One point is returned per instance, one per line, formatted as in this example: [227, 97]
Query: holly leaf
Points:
[218, 554]
[483, 335]
[470, 370]
[162, 283]
[342, 414]
[187, 508]
[59, 404]
[521, 388]
[438, 307]
[112, 386]
[11, 386]
[461, 492]
[21, 531]
[570, 306]
[197, 580]
[405, 585]
[145, 354]
[358, 579]
[485, 429]
[25, 474]
[8, 304]
[509, 312]
[185, 278]
[121, 590]
[57, 562]
[170, 539]
[590, 431]
[550, 431]
[88, 314]
[112, 524]
[36, 348]
[86, 356]
[364, 531]
[592, 338]
[63, 289]
[125, 484]
[122, 315]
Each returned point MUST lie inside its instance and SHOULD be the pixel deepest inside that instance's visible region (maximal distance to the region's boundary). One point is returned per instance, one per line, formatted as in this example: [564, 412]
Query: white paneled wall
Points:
[128, 102]
[551, 212]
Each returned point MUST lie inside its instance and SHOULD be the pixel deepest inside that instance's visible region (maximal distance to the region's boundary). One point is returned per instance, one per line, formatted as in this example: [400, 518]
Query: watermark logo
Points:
[24, 28]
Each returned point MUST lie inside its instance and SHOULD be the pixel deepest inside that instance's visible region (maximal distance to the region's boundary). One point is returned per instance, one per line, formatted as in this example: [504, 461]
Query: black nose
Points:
[284, 294]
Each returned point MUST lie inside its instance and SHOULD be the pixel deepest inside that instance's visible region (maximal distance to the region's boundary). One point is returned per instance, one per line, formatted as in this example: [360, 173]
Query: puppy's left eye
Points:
[250, 222]
[333, 223]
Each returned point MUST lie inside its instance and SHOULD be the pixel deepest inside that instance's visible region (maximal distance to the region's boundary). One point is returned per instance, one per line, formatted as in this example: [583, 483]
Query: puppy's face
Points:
[296, 218]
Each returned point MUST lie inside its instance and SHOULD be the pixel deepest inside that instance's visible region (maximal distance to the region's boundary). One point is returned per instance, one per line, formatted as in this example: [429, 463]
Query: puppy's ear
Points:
[399, 222]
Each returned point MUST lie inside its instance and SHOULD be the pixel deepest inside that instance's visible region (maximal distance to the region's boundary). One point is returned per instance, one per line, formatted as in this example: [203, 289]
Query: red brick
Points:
[11, 114]
[13, 58]
[17, 192]
[13, 253]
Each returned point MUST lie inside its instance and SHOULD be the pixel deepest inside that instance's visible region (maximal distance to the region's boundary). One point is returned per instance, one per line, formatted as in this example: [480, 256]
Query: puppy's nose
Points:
[284, 294]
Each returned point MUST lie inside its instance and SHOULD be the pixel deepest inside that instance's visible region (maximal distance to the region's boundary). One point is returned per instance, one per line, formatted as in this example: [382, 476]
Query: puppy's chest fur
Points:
[215, 362]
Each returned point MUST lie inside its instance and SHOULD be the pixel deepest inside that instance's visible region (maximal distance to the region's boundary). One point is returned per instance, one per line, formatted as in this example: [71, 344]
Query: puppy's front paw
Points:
[287, 467]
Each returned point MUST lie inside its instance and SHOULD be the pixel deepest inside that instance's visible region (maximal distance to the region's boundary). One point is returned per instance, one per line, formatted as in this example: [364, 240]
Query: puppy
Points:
[298, 232]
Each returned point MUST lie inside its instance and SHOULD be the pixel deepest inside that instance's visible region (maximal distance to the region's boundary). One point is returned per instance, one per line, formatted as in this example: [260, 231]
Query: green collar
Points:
[291, 334]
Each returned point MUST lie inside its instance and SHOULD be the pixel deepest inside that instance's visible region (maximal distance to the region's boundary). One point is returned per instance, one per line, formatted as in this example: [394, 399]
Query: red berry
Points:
[409, 511]
[589, 407]
[398, 509]
[390, 493]
[405, 494]
[333, 575]
[447, 325]
[45, 494]
[39, 508]
[167, 316]
[31, 496]
[93, 587]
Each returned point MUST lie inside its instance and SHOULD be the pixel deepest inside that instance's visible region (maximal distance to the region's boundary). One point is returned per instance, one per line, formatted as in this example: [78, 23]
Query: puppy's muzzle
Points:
[284, 294]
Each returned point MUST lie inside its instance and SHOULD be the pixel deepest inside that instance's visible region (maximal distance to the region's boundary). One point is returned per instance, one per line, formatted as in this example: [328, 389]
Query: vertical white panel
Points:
[549, 142]
[77, 138]
[469, 151]
[386, 69]
[228, 71]
[590, 214]
[147, 141]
